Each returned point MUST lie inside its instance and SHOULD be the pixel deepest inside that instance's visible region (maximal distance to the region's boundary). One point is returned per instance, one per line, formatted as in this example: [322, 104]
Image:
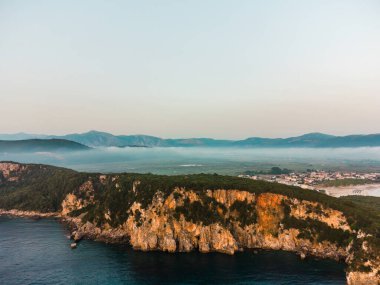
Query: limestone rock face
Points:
[313, 210]
[362, 278]
[10, 171]
[228, 197]
[269, 212]
[159, 226]
[217, 238]
[72, 202]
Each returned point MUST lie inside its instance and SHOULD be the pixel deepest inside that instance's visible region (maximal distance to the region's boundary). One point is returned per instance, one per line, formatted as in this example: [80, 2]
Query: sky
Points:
[222, 69]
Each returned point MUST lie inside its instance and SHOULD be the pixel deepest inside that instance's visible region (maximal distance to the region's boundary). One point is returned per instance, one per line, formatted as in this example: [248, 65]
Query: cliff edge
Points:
[199, 212]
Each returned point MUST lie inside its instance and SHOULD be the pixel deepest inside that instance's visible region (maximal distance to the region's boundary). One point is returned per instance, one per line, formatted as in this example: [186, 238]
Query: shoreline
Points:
[28, 214]
[368, 189]
[79, 231]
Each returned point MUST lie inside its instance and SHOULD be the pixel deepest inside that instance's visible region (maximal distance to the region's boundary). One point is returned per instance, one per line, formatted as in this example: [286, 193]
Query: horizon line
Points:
[184, 138]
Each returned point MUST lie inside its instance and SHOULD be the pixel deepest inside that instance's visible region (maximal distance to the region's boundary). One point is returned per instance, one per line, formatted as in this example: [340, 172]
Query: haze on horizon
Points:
[221, 69]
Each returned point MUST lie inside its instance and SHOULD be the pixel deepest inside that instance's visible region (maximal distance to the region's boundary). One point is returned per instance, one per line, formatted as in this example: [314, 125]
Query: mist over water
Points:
[205, 160]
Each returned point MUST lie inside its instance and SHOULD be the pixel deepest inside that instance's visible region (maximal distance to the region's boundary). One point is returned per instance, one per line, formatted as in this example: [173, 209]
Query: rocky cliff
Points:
[213, 213]
[245, 221]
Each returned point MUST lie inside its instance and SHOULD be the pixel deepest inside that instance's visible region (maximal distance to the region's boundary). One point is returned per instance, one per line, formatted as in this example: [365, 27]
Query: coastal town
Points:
[356, 183]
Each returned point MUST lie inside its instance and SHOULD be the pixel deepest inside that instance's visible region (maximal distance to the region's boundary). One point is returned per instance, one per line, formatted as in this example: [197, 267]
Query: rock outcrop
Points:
[159, 227]
[208, 213]
[28, 214]
[363, 278]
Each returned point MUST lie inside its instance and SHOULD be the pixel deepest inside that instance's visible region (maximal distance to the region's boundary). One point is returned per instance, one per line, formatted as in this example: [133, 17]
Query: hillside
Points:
[200, 212]
[102, 139]
[95, 138]
[40, 145]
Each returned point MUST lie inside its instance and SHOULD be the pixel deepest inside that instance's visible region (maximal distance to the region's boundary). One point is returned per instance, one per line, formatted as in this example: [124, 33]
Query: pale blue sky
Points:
[224, 69]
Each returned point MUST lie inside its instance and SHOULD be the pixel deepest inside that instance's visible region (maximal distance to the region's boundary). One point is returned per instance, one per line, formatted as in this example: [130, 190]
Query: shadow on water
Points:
[264, 267]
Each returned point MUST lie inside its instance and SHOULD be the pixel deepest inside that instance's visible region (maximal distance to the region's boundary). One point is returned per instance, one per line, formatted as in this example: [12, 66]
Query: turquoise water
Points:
[38, 252]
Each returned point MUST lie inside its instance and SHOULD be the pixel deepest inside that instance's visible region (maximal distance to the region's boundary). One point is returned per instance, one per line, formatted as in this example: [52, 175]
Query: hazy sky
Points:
[224, 69]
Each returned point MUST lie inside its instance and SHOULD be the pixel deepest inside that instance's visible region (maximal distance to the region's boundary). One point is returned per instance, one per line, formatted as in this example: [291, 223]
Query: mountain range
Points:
[103, 139]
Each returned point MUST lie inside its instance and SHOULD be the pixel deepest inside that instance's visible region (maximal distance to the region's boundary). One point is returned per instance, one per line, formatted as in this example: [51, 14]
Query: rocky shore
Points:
[28, 214]
[202, 213]
[155, 229]
[185, 237]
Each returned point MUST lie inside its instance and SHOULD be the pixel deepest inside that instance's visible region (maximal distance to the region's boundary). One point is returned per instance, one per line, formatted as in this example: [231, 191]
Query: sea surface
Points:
[38, 252]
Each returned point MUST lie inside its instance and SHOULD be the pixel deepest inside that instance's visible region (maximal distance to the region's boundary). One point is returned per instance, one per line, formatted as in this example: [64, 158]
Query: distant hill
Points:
[40, 145]
[319, 140]
[314, 140]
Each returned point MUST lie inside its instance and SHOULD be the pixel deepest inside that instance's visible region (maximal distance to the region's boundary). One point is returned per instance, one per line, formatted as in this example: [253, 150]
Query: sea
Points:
[38, 252]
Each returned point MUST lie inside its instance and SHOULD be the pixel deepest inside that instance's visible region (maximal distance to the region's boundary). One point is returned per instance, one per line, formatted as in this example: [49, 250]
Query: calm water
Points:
[38, 252]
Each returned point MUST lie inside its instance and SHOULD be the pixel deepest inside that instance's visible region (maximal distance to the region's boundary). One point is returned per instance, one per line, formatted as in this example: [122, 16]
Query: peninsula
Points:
[199, 212]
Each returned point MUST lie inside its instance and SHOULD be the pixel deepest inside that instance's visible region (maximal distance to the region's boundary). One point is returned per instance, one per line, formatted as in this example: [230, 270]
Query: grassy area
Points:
[346, 182]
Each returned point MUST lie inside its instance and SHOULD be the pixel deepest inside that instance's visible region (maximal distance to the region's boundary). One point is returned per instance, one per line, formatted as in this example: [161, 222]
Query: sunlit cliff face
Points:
[152, 213]
[168, 224]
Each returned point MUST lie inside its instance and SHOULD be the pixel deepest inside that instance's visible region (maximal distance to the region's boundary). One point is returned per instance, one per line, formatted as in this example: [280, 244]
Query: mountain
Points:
[207, 213]
[93, 138]
[40, 145]
[319, 140]
[307, 140]
[102, 139]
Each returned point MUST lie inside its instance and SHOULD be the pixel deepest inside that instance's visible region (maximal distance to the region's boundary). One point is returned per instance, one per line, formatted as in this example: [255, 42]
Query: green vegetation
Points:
[317, 231]
[273, 171]
[346, 182]
[40, 188]
[246, 212]
[317, 210]
[371, 204]
[207, 211]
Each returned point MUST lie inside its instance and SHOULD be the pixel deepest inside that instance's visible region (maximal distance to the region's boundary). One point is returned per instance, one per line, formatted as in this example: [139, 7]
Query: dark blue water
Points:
[38, 252]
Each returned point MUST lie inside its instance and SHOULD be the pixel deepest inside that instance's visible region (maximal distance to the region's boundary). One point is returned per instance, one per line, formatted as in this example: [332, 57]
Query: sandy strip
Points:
[362, 190]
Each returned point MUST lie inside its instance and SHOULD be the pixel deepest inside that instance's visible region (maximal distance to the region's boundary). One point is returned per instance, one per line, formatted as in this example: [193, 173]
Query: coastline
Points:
[28, 214]
[370, 189]
[79, 230]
